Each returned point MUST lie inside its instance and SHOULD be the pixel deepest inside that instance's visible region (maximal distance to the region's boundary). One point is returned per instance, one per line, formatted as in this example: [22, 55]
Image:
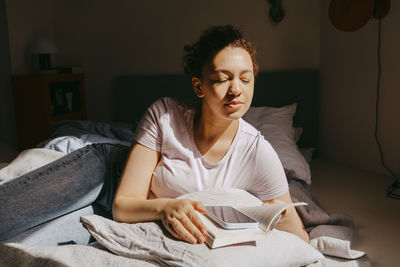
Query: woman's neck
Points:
[213, 135]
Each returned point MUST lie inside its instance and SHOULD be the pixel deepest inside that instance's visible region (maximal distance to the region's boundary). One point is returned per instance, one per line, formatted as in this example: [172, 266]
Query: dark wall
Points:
[7, 119]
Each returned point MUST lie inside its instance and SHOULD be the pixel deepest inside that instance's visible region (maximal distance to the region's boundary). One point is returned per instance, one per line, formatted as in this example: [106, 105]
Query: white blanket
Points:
[28, 160]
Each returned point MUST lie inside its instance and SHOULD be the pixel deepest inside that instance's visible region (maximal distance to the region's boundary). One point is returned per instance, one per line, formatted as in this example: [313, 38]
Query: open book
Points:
[267, 215]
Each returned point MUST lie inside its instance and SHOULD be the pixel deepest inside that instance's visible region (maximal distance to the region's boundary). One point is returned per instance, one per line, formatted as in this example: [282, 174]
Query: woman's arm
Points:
[131, 204]
[290, 221]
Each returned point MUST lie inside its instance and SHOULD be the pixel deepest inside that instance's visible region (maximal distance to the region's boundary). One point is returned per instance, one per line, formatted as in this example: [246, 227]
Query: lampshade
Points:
[43, 46]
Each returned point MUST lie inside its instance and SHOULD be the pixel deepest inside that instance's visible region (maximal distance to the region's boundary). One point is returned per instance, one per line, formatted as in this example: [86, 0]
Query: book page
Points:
[268, 215]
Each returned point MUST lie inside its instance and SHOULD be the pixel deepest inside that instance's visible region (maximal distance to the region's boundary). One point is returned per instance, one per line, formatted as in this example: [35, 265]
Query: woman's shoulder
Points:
[163, 102]
[252, 136]
[169, 104]
[170, 109]
[248, 129]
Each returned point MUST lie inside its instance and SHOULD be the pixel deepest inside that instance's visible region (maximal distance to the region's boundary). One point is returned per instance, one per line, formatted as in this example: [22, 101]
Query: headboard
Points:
[134, 93]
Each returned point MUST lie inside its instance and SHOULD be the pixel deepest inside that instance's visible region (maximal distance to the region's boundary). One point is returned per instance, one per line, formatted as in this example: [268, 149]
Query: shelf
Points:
[42, 98]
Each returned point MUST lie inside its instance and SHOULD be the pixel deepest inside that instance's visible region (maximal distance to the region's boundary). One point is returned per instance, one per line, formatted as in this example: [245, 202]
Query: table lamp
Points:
[43, 49]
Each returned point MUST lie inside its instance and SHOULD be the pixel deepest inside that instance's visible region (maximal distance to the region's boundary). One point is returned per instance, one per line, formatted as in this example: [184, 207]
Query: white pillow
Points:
[276, 125]
[28, 160]
[149, 241]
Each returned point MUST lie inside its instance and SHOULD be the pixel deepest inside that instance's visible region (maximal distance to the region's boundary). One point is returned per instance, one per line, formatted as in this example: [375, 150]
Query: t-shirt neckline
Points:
[196, 151]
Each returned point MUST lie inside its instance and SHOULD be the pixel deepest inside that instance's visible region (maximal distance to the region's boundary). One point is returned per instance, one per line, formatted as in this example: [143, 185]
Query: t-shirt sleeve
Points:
[149, 132]
[270, 179]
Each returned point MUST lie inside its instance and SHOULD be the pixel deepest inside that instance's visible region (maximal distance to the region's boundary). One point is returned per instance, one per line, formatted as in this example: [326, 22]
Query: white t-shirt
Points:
[250, 163]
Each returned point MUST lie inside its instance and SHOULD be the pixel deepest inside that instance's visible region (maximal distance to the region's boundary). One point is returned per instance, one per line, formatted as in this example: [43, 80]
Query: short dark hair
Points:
[212, 41]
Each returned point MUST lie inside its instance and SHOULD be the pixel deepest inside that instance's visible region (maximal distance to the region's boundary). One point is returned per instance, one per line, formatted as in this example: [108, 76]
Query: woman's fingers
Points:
[195, 219]
[182, 221]
[199, 207]
[186, 229]
[170, 229]
[182, 232]
[191, 227]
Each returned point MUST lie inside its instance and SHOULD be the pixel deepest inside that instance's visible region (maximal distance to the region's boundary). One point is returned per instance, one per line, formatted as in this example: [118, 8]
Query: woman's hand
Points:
[180, 219]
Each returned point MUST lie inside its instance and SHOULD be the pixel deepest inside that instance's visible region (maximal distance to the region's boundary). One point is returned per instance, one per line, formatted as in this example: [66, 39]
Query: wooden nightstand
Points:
[42, 98]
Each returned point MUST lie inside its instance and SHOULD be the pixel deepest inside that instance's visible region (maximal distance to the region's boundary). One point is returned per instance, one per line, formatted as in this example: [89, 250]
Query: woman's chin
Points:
[235, 115]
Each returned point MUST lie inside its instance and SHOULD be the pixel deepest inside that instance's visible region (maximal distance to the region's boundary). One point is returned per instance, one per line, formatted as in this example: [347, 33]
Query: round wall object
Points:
[350, 15]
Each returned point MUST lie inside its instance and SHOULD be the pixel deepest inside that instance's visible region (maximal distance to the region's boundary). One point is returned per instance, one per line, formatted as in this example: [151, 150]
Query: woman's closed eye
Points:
[220, 81]
[245, 79]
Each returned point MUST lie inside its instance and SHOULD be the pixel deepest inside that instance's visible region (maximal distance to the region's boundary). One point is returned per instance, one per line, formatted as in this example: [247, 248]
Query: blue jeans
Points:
[86, 176]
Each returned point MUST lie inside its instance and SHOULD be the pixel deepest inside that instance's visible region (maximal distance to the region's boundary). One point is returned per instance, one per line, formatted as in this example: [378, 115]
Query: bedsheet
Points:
[72, 135]
[332, 232]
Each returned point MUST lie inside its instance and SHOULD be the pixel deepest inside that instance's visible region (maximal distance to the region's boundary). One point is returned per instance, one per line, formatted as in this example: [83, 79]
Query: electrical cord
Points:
[395, 186]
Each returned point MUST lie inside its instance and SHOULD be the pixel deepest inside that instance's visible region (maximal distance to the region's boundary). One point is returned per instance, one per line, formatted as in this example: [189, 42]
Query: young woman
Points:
[179, 149]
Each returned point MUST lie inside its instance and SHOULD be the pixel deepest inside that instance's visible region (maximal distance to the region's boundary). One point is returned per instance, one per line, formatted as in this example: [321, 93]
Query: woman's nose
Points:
[234, 89]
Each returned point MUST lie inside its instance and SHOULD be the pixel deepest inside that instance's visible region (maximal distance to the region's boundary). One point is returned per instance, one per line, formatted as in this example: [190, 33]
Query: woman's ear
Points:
[197, 88]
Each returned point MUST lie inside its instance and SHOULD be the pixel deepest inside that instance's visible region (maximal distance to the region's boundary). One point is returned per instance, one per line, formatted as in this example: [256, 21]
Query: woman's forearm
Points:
[177, 215]
[131, 210]
[292, 223]
[130, 201]
[297, 231]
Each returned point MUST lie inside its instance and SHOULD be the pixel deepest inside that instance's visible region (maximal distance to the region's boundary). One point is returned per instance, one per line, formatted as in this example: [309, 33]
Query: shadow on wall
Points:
[7, 152]
[7, 121]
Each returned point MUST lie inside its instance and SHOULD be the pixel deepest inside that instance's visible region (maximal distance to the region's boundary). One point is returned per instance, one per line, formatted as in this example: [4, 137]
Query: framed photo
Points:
[64, 97]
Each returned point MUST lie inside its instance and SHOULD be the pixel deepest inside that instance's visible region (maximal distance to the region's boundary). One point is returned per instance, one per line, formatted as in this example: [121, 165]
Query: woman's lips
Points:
[234, 104]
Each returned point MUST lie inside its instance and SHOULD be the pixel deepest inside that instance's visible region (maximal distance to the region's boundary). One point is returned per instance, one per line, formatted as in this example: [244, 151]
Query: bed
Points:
[284, 109]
